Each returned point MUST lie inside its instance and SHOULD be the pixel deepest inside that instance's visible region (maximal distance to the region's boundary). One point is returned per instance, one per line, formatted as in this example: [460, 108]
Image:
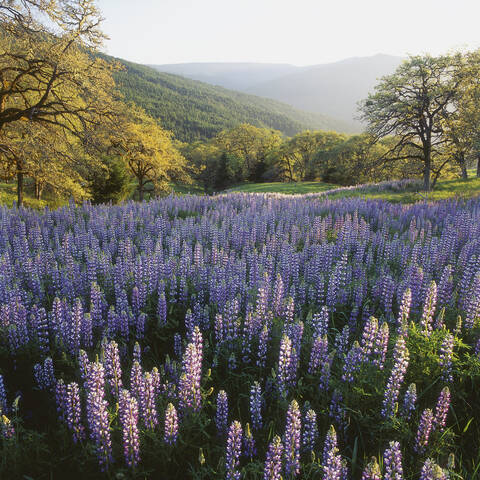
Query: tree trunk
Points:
[140, 188]
[463, 166]
[426, 177]
[37, 189]
[19, 183]
[478, 166]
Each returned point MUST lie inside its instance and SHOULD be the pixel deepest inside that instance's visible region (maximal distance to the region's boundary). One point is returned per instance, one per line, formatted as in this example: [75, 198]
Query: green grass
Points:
[283, 187]
[453, 188]
[444, 189]
[8, 195]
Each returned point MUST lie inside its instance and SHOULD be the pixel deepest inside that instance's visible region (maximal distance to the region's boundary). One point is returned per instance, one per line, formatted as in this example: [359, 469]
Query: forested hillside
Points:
[194, 110]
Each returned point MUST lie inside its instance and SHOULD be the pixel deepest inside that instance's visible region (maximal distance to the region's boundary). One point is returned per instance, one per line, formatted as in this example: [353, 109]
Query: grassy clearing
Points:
[444, 189]
[290, 188]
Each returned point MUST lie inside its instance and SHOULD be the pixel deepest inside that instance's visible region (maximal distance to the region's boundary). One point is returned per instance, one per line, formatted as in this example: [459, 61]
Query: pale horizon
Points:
[301, 33]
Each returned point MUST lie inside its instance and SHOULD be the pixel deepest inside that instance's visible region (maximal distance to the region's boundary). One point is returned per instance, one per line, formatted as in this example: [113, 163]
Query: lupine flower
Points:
[73, 412]
[262, 346]
[400, 358]
[331, 461]
[392, 459]
[221, 416]
[372, 471]
[409, 401]
[171, 425]
[284, 358]
[147, 402]
[273, 463]
[249, 448]
[431, 471]
[441, 411]
[319, 354]
[429, 308]
[292, 440]
[136, 379]
[7, 430]
[402, 322]
[353, 362]
[234, 449]
[381, 345]
[128, 412]
[320, 322]
[97, 414]
[3, 397]
[113, 370]
[256, 405]
[445, 357]
[189, 386]
[61, 399]
[369, 337]
[310, 431]
[423, 432]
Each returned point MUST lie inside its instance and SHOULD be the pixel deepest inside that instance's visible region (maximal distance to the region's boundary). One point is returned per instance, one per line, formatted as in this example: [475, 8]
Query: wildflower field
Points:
[241, 336]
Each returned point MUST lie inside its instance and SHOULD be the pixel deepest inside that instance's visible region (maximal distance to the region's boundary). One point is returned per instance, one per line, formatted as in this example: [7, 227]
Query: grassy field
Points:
[444, 189]
[290, 188]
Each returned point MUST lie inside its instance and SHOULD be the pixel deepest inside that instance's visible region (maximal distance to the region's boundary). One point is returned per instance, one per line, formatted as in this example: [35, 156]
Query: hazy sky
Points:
[301, 32]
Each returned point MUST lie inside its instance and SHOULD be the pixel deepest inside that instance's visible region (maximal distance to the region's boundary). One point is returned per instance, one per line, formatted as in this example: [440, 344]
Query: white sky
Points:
[300, 32]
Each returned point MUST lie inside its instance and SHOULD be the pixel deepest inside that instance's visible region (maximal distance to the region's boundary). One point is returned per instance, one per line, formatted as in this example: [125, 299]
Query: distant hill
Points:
[332, 89]
[236, 76]
[195, 110]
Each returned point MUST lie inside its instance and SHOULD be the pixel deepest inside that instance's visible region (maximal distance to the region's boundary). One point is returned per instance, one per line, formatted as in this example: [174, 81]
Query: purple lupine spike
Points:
[3, 397]
[60, 399]
[136, 379]
[256, 405]
[320, 322]
[137, 353]
[177, 345]
[401, 359]
[284, 358]
[147, 402]
[189, 385]
[353, 362]
[341, 340]
[273, 462]
[441, 410]
[331, 461]
[128, 413]
[234, 450]
[83, 364]
[369, 337]
[113, 370]
[221, 416]
[431, 471]
[473, 305]
[310, 431]
[445, 357]
[263, 346]
[249, 448]
[75, 327]
[409, 401]
[97, 414]
[140, 323]
[73, 411]
[402, 322]
[319, 354]
[372, 471]
[337, 411]
[162, 309]
[381, 345]
[292, 440]
[86, 331]
[7, 430]
[44, 375]
[392, 460]
[424, 429]
[429, 308]
[171, 425]
[445, 287]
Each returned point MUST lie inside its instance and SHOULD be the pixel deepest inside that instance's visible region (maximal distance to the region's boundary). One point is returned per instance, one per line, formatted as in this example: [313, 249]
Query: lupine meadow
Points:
[251, 336]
